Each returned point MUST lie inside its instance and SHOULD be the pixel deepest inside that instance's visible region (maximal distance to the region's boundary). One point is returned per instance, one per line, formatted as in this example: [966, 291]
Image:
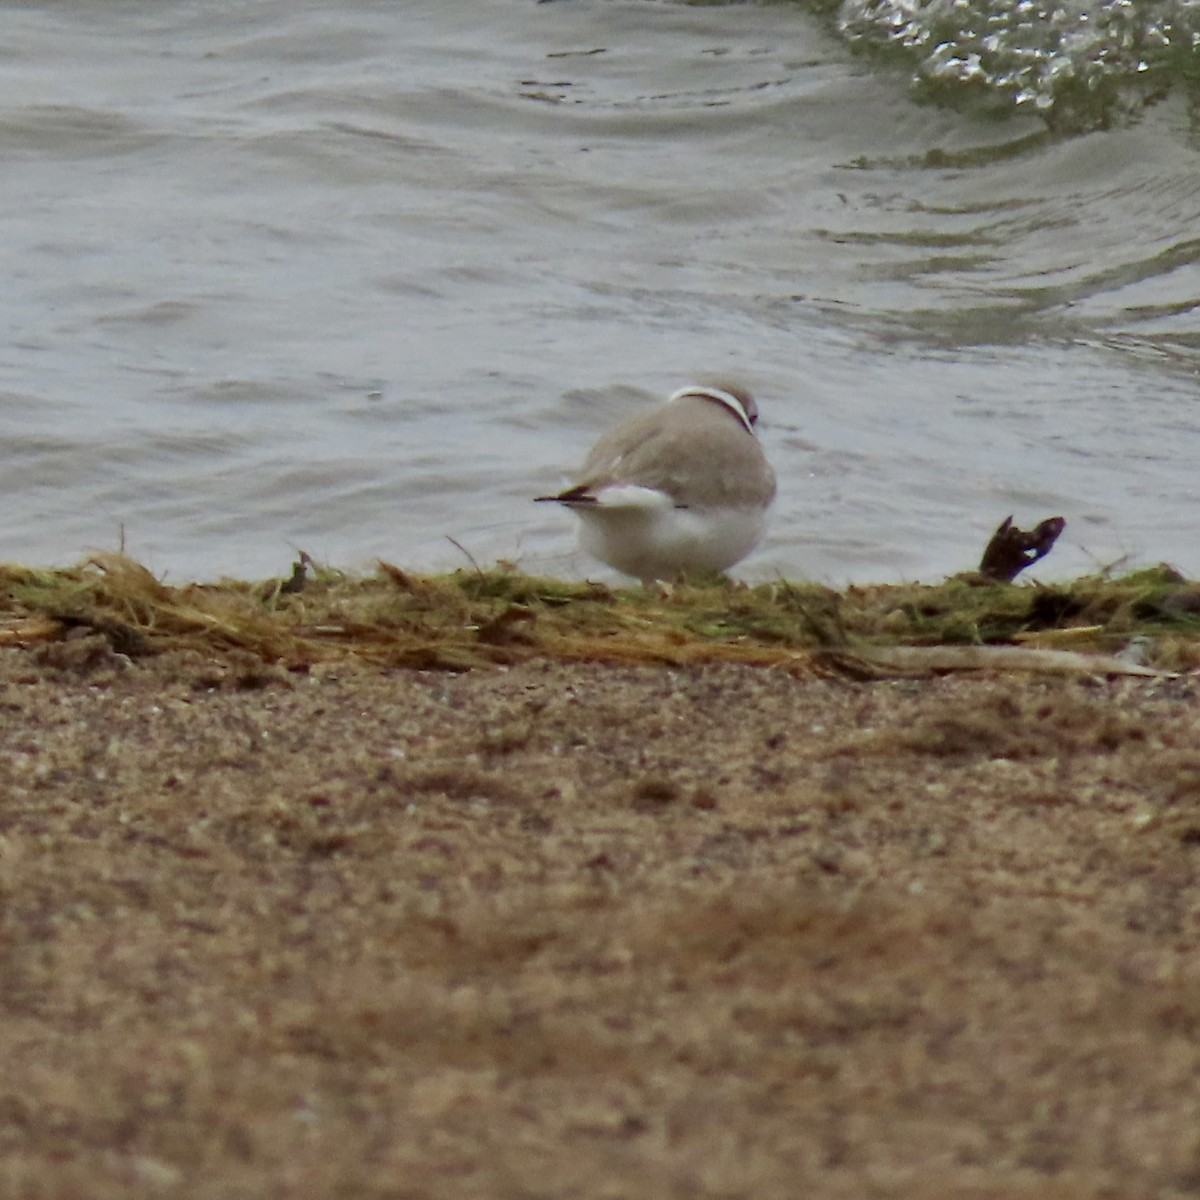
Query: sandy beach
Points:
[583, 929]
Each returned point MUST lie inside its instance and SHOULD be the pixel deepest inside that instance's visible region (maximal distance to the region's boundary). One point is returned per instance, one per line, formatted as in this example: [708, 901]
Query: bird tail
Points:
[575, 495]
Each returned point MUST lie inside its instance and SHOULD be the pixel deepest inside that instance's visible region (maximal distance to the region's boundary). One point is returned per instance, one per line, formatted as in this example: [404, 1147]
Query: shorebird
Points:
[681, 490]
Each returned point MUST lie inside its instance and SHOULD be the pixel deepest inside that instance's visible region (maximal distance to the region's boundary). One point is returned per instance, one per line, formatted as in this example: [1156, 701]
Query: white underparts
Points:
[647, 536]
[631, 496]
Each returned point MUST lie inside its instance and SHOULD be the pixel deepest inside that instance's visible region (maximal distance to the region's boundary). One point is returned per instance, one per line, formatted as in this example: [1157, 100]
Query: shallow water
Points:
[361, 279]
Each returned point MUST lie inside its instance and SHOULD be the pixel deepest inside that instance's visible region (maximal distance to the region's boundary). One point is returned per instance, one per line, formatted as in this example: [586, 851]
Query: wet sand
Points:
[583, 930]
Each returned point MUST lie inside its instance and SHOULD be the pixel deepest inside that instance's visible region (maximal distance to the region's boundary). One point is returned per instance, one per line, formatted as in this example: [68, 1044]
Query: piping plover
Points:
[680, 490]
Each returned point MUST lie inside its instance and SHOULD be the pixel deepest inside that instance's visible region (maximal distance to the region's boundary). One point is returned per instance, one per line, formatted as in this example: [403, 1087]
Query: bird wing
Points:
[644, 453]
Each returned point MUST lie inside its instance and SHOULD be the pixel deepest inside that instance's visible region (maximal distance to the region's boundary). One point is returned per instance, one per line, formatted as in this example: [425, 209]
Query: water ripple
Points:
[1076, 62]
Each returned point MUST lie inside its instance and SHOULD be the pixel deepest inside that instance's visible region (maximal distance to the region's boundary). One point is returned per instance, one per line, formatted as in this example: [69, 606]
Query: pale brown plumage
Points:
[682, 489]
[723, 466]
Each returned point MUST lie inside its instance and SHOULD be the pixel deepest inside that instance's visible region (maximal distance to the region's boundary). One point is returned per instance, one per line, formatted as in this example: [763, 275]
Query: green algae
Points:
[497, 616]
